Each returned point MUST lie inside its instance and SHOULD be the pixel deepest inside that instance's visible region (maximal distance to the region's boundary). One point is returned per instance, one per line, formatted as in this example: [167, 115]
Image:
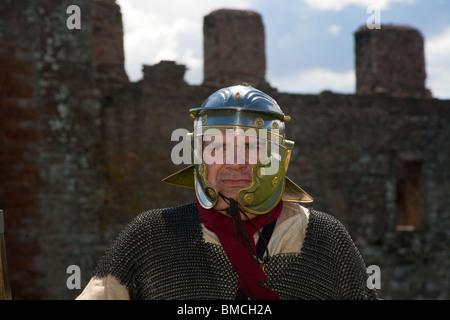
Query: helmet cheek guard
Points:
[206, 194]
[243, 111]
[268, 181]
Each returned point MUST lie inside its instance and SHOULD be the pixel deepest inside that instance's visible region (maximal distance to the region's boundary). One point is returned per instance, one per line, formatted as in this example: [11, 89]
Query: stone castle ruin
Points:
[83, 150]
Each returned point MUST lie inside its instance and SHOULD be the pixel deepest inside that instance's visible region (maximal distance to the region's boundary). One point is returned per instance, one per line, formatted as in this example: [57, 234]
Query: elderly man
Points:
[247, 236]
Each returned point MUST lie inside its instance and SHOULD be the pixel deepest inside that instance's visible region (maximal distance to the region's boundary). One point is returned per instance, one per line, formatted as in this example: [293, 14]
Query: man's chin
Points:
[231, 193]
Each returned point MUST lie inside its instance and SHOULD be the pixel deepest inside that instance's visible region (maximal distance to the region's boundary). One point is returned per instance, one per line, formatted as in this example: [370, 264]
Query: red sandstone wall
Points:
[234, 48]
[49, 116]
[390, 60]
[19, 172]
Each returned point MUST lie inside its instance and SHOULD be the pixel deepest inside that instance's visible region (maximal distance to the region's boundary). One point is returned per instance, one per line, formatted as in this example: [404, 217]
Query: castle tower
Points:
[390, 60]
[234, 48]
[107, 44]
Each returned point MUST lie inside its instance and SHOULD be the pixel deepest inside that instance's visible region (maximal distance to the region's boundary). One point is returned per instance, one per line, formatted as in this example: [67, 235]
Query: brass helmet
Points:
[248, 112]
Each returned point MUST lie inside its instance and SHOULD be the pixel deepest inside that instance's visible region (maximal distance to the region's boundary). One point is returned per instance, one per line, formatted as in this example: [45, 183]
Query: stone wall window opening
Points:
[409, 195]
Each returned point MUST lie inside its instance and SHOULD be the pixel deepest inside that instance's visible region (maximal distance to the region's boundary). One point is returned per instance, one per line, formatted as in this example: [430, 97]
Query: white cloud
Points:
[167, 30]
[334, 29]
[317, 80]
[340, 4]
[437, 53]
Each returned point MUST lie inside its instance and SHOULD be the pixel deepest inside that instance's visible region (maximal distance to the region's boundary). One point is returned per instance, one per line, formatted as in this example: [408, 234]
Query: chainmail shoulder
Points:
[161, 254]
[329, 265]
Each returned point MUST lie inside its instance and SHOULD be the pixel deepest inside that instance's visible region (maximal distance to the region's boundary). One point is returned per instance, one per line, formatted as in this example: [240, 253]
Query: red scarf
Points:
[252, 278]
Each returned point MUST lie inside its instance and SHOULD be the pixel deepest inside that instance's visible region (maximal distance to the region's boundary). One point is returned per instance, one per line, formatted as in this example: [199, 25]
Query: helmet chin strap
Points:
[234, 211]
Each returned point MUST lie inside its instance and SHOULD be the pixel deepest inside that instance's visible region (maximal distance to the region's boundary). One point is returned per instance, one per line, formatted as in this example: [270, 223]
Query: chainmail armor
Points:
[161, 254]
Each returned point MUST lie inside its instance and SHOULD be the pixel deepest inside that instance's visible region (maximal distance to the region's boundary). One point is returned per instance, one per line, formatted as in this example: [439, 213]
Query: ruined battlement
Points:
[390, 60]
[164, 72]
[234, 48]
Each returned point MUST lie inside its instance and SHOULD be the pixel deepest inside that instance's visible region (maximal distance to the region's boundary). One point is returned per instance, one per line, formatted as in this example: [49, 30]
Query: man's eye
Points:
[219, 146]
[251, 146]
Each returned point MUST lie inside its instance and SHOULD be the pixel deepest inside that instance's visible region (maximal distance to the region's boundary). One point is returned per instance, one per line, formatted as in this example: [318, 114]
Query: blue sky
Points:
[309, 43]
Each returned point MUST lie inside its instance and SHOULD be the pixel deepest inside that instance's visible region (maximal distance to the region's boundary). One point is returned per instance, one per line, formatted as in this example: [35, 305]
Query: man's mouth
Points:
[236, 182]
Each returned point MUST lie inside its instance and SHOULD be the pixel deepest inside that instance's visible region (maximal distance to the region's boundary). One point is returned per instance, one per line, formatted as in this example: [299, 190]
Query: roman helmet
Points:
[243, 111]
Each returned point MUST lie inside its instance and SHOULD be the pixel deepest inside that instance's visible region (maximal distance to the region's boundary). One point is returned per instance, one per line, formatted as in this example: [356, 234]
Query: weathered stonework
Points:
[390, 60]
[235, 38]
[51, 104]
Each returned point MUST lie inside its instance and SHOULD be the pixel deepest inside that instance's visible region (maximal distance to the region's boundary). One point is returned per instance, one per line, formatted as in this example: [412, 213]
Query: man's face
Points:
[231, 169]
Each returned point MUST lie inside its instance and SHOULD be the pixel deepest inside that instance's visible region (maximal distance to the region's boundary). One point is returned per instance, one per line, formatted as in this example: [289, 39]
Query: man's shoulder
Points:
[322, 223]
[150, 225]
[324, 217]
[316, 217]
[170, 216]
[161, 212]
[328, 228]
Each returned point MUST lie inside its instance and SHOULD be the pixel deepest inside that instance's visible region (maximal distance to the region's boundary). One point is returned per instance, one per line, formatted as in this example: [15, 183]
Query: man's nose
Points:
[238, 158]
[239, 162]
[237, 166]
